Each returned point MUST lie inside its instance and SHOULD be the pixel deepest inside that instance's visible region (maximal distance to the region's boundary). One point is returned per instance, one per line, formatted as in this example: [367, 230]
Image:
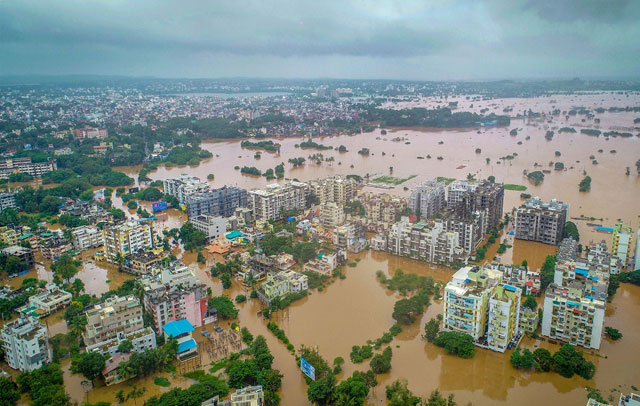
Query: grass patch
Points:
[164, 382]
[511, 186]
[392, 180]
[446, 181]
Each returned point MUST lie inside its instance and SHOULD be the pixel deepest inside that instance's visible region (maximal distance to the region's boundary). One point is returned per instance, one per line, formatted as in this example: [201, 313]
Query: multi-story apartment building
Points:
[218, 202]
[9, 236]
[427, 199]
[335, 189]
[477, 303]
[25, 255]
[568, 250]
[90, 132]
[621, 244]
[381, 209]
[26, 344]
[331, 215]
[351, 236]
[426, 242]
[541, 221]
[270, 203]
[24, 165]
[111, 318]
[184, 186]
[85, 237]
[504, 316]
[212, 226]
[490, 196]
[126, 238]
[575, 313]
[172, 293]
[50, 300]
[53, 246]
[471, 229]
[141, 262]
[281, 284]
[7, 199]
[458, 191]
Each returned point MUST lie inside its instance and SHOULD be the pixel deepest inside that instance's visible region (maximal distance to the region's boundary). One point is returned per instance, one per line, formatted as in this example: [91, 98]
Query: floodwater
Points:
[351, 311]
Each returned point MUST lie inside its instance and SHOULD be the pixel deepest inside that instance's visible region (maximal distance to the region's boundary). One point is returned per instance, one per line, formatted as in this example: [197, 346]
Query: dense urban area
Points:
[327, 242]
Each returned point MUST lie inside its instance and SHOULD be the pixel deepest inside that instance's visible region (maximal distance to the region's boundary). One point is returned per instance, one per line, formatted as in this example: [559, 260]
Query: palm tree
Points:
[120, 397]
[136, 393]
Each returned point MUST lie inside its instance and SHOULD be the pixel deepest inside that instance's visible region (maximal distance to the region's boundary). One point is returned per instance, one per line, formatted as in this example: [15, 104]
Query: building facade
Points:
[541, 221]
[212, 226]
[26, 344]
[184, 186]
[114, 318]
[427, 199]
[123, 239]
[274, 200]
[218, 202]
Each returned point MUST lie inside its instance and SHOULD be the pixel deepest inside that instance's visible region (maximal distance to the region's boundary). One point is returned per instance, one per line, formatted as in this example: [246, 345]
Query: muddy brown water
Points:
[349, 312]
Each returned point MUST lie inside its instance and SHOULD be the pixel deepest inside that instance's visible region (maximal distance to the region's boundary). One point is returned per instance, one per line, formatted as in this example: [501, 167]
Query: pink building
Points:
[90, 132]
[172, 293]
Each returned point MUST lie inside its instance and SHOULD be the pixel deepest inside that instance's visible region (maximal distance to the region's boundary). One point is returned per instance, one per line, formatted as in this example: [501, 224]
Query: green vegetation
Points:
[567, 361]
[588, 131]
[613, 333]
[547, 271]
[511, 186]
[296, 161]
[406, 311]
[456, 343]
[530, 302]
[342, 148]
[246, 335]
[571, 230]
[392, 180]
[431, 330]
[381, 363]
[9, 394]
[256, 369]
[241, 298]
[45, 386]
[422, 117]
[192, 238]
[89, 364]
[225, 307]
[280, 334]
[446, 181]
[536, 176]
[567, 130]
[313, 145]
[160, 381]
[251, 170]
[585, 184]
[364, 151]
[266, 145]
[206, 387]
[359, 354]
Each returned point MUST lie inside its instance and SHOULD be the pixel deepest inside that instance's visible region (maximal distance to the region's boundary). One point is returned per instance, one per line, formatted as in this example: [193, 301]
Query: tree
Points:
[398, 394]
[456, 343]
[225, 279]
[77, 287]
[224, 306]
[65, 267]
[125, 347]
[571, 230]
[12, 265]
[431, 330]
[352, 391]
[246, 335]
[89, 364]
[542, 360]
[530, 302]
[568, 361]
[406, 311]
[136, 393]
[381, 363]
[613, 333]
[9, 394]
[523, 361]
[322, 391]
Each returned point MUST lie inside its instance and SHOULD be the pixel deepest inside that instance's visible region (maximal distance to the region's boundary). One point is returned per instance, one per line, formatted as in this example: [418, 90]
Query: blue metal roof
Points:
[178, 327]
[186, 346]
[509, 287]
[581, 271]
[234, 234]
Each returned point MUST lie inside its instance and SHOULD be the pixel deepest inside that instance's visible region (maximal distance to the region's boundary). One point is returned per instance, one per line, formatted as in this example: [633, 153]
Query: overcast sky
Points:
[403, 39]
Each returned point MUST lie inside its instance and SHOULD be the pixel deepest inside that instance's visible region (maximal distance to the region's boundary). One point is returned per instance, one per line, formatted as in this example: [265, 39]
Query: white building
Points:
[26, 344]
[331, 215]
[85, 237]
[50, 300]
[126, 238]
[427, 199]
[184, 186]
[269, 204]
[211, 226]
